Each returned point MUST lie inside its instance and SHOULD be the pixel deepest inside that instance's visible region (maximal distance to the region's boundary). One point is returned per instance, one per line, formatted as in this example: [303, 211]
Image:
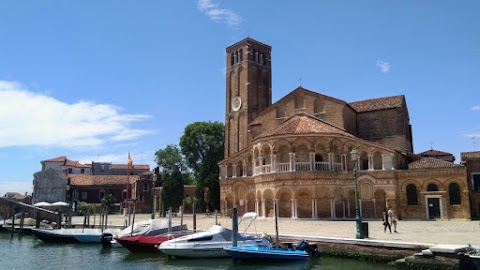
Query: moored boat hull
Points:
[142, 243]
[68, 235]
[255, 252]
[469, 262]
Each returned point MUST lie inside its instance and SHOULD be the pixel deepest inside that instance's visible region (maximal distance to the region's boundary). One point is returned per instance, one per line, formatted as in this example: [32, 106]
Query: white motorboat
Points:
[211, 243]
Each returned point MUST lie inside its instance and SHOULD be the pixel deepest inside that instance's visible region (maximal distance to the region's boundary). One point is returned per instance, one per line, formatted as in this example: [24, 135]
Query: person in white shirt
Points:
[393, 219]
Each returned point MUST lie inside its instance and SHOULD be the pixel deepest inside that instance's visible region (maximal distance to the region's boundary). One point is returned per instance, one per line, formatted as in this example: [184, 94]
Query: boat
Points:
[470, 259]
[144, 243]
[211, 243]
[69, 235]
[26, 228]
[272, 252]
[256, 252]
[150, 227]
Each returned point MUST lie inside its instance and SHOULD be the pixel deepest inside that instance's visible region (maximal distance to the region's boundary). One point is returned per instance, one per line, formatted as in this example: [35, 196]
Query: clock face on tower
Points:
[236, 103]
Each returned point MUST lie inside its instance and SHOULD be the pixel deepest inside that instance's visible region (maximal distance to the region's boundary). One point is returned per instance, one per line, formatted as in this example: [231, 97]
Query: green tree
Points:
[172, 192]
[170, 158]
[202, 145]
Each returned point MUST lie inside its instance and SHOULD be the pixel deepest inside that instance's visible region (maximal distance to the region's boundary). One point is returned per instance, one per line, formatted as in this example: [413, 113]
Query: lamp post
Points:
[358, 217]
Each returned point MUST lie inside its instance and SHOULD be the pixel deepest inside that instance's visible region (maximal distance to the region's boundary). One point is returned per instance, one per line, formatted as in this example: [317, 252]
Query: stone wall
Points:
[49, 186]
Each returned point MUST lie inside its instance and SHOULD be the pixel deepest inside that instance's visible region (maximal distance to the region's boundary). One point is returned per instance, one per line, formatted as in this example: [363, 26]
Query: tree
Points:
[172, 192]
[170, 158]
[202, 145]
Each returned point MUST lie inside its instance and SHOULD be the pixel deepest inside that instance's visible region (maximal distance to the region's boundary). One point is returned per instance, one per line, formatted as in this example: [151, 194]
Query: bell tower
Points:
[248, 90]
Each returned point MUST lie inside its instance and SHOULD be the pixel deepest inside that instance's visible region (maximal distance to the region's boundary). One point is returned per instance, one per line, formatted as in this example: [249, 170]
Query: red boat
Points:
[144, 243]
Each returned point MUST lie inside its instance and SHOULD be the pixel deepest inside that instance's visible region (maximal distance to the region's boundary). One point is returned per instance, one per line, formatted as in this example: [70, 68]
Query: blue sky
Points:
[93, 80]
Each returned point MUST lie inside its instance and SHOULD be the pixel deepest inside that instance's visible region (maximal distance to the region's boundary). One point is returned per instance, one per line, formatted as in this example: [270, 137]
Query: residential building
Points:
[62, 179]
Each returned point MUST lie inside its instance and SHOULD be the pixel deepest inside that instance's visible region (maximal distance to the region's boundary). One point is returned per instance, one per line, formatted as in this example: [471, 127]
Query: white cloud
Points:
[472, 135]
[384, 66]
[476, 108]
[32, 119]
[206, 5]
[217, 14]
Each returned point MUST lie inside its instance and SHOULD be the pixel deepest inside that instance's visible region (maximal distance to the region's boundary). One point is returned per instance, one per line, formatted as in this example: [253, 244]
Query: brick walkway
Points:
[460, 232]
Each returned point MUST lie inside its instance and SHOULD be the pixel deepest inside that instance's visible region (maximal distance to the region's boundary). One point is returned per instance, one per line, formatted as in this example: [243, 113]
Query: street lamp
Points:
[358, 217]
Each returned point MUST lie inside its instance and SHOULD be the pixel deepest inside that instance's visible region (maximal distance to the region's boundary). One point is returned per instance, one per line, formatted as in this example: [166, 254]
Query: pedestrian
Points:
[386, 222]
[393, 219]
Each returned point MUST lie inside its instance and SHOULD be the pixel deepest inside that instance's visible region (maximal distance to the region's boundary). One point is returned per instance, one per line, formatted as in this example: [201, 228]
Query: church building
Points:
[297, 152]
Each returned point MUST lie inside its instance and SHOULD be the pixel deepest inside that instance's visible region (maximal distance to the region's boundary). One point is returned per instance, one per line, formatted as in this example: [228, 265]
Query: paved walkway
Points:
[459, 232]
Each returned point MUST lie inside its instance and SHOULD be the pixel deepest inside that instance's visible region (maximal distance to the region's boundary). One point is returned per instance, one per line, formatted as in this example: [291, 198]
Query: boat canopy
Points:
[150, 227]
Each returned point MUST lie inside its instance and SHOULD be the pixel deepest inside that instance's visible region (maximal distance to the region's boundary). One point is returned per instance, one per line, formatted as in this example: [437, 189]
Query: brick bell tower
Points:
[248, 90]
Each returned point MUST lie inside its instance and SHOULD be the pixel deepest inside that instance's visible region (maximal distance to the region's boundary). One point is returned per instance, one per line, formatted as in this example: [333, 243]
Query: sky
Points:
[94, 80]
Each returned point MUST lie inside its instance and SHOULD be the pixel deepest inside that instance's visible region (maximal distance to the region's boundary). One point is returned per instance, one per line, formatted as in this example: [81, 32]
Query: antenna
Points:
[300, 81]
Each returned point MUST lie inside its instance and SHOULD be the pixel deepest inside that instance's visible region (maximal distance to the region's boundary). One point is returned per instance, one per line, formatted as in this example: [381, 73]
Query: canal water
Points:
[29, 253]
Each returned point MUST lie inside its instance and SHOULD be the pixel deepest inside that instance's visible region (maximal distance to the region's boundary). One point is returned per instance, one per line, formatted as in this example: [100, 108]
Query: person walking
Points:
[386, 221]
[393, 219]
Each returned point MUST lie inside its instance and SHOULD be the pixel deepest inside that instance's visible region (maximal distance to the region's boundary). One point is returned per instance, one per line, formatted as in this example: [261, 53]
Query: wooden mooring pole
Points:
[234, 227]
[13, 219]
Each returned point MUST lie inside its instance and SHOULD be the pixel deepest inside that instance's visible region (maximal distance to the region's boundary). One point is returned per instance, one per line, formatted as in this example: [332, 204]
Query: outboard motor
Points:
[310, 249]
[107, 237]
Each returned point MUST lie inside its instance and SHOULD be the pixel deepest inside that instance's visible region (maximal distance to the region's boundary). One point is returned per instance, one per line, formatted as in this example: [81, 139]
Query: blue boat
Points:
[256, 252]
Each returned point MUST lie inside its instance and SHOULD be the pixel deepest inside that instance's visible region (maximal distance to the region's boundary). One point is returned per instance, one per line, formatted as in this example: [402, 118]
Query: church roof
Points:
[470, 155]
[302, 123]
[100, 180]
[434, 153]
[378, 103]
[431, 163]
[297, 91]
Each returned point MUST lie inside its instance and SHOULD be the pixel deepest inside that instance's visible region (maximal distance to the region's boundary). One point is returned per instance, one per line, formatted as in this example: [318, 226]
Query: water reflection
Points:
[29, 253]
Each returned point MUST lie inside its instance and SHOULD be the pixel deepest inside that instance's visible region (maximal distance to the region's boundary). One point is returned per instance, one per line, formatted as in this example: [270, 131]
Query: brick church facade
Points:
[296, 152]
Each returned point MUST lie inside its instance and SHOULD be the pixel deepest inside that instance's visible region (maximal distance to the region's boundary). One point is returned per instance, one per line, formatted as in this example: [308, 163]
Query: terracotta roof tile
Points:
[57, 159]
[430, 163]
[135, 166]
[15, 195]
[100, 180]
[304, 124]
[378, 103]
[75, 164]
[470, 155]
[434, 153]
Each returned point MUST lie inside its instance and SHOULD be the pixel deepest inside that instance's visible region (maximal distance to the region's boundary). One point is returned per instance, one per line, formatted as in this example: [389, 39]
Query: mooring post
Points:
[37, 219]
[181, 216]
[276, 221]
[194, 219]
[105, 226]
[234, 227]
[22, 220]
[13, 220]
